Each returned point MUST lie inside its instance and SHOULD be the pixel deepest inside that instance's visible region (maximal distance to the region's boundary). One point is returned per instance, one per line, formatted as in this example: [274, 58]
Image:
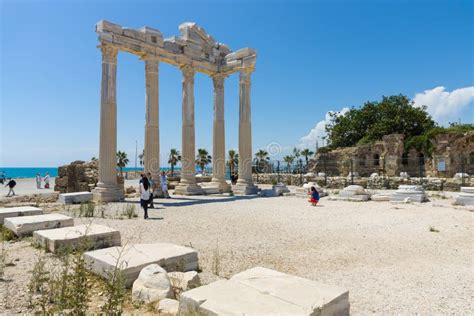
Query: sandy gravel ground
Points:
[383, 253]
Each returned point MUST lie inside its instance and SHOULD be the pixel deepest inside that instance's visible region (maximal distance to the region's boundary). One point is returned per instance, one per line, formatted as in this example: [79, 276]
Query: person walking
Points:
[11, 184]
[152, 188]
[164, 185]
[38, 180]
[46, 180]
[144, 195]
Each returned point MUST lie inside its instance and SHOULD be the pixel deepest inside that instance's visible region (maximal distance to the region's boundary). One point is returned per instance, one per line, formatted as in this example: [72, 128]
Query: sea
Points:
[11, 172]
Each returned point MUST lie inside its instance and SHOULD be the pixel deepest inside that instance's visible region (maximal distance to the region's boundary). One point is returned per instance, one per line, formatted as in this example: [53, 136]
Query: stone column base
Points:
[245, 189]
[108, 194]
[158, 193]
[188, 189]
[223, 187]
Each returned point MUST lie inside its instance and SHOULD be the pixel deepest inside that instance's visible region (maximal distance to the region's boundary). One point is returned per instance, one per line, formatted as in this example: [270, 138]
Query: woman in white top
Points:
[164, 185]
[145, 195]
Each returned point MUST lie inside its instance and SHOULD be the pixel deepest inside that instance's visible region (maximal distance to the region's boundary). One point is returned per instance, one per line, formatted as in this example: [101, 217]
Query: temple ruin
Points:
[193, 51]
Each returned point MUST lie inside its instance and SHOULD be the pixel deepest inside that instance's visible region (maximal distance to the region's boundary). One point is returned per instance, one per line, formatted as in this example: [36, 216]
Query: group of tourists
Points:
[148, 188]
[40, 179]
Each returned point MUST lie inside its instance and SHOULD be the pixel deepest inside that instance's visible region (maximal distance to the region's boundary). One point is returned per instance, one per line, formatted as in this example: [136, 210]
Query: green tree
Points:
[141, 158]
[262, 157]
[173, 159]
[122, 161]
[232, 160]
[289, 160]
[296, 153]
[306, 153]
[393, 115]
[203, 158]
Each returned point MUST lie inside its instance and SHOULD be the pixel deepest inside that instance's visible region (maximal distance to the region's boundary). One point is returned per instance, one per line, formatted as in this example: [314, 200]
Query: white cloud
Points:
[445, 106]
[319, 131]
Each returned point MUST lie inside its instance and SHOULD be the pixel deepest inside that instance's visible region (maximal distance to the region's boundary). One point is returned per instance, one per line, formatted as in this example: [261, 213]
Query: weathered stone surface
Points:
[354, 193]
[184, 281]
[409, 193]
[131, 259]
[380, 197]
[76, 197]
[152, 285]
[208, 278]
[26, 225]
[18, 211]
[280, 188]
[168, 307]
[466, 197]
[82, 236]
[261, 291]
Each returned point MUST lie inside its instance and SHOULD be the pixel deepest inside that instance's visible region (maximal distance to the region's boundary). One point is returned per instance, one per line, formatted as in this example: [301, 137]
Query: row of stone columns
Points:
[107, 188]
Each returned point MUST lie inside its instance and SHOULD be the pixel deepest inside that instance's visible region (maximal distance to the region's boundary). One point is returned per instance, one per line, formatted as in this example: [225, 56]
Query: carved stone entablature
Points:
[194, 47]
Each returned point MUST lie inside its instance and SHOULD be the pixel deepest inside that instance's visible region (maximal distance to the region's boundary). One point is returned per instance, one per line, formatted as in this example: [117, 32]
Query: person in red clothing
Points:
[314, 199]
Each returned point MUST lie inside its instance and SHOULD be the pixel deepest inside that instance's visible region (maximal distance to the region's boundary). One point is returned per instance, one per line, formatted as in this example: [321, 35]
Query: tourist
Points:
[164, 185]
[46, 180]
[144, 195]
[11, 184]
[314, 196]
[152, 188]
[38, 180]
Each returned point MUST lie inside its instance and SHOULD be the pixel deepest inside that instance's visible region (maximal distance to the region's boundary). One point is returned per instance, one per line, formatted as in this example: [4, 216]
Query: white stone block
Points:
[131, 259]
[184, 280]
[26, 225]
[71, 238]
[106, 26]
[280, 188]
[409, 193]
[465, 197]
[261, 291]
[75, 197]
[18, 211]
[380, 197]
[152, 285]
[168, 307]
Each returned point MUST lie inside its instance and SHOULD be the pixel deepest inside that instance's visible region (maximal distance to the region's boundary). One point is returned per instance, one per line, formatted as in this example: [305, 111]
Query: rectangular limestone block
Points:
[26, 225]
[409, 197]
[131, 259]
[261, 291]
[75, 197]
[87, 237]
[18, 211]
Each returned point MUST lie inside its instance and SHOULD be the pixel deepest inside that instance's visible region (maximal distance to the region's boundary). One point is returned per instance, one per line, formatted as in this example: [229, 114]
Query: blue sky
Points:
[313, 57]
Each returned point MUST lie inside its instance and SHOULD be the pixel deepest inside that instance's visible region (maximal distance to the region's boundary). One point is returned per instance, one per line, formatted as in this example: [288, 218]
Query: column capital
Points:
[109, 53]
[245, 73]
[218, 80]
[188, 73]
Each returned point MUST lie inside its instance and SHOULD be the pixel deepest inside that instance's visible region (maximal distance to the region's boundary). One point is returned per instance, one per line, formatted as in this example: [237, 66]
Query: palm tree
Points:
[262, 157]
[142, 157]
[296, 153]
[203, 158]
[289, 160]
[306, 153]
[233, 160]
[173, 159]
[122, 161]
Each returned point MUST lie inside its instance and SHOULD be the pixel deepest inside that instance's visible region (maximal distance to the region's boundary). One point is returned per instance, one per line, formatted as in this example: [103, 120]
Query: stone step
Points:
[261, 291]
[18, 211]
[71, 238]
[26, 225]
[131, 259]
[75, 197]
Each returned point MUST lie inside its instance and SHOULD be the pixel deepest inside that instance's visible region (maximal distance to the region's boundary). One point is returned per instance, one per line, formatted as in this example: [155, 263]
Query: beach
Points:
[385, 254]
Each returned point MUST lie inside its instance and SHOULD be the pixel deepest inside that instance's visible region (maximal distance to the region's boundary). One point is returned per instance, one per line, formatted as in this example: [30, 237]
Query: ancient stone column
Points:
[107, 189]
[187, 184]
[152, 132]
[245, 183]
[218, 136]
